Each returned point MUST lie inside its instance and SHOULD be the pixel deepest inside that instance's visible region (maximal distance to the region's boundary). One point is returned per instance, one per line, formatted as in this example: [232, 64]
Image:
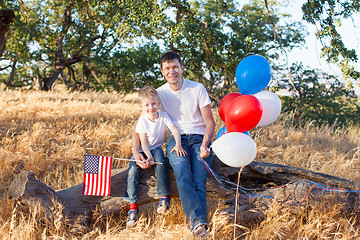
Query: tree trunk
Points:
[256, 175]
[85, 76]
[9, 81]
[60, 62]
[92, 71]
[6, 17]
[49, 81]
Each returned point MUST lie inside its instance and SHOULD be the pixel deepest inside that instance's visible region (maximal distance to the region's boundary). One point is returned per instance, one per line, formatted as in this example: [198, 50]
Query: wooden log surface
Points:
[28, 190]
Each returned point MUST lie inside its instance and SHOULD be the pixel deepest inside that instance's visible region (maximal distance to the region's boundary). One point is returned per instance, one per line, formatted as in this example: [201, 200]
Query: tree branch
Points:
[59, 43]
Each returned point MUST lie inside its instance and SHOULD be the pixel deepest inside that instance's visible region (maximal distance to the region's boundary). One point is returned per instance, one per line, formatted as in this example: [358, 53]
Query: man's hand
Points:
[204, 152]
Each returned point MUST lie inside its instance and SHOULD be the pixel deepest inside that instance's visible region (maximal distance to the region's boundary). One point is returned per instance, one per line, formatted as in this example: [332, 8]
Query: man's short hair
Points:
[148, 92]
[170, 56]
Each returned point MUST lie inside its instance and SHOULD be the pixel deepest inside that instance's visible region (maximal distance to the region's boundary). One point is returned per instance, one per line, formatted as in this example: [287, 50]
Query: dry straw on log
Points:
[29, 191]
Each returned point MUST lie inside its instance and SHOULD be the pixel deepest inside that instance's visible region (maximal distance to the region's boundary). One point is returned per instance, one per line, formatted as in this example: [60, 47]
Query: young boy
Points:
[151, 130]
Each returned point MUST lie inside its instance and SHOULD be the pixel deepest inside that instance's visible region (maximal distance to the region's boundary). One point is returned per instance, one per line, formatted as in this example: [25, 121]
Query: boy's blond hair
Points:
[148, 92]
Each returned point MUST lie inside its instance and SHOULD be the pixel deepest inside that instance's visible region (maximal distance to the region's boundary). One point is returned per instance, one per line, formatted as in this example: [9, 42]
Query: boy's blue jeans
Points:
[191, 174]
[161, 173]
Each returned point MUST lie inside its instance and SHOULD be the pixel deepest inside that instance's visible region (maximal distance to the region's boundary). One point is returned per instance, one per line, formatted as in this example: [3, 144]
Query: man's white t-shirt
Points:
[183, 106]
[155, 131]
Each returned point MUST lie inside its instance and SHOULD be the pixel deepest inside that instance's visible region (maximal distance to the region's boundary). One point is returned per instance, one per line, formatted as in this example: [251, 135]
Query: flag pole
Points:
[133, 160]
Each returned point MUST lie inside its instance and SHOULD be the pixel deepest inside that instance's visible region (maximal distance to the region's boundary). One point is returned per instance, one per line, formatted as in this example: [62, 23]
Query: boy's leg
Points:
[161, 172]
[131, 193]
[132, 183]
[132, 216]
[162, 180]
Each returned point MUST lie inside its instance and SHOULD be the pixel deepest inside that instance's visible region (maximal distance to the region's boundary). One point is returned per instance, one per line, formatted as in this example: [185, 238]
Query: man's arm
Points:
[209, 130]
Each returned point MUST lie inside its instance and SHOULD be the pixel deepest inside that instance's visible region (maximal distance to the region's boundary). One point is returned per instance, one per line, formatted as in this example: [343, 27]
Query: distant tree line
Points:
[312, 95]
[116, 44]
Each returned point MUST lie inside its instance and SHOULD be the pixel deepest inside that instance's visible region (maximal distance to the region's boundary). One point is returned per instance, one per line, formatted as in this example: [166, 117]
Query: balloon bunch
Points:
[242, 112]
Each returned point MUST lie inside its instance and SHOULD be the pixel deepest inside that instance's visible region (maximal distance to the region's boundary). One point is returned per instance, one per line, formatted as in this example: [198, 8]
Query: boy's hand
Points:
[150, 161]
[140, 160]
[138, 156]
[179, 150]
[204, 152]
[143, 164]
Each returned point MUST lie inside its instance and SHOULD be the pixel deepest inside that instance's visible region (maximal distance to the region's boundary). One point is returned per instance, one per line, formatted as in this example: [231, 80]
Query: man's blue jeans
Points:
[161, 173]
[191, 174]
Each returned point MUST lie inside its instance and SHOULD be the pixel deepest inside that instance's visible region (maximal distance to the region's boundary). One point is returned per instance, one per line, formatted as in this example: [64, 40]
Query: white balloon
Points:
[271, 107]
[235, 149]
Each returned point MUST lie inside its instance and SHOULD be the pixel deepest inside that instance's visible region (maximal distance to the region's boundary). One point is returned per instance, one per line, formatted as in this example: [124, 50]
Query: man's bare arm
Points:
[209, 130]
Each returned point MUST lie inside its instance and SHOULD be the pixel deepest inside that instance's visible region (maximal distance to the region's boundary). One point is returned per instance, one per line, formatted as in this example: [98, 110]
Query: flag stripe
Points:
[84, 184]
[108, 178]
[103, 179]
[96, 179]
[91, 186]
[97, 175]
[101, 192]
[87, 183]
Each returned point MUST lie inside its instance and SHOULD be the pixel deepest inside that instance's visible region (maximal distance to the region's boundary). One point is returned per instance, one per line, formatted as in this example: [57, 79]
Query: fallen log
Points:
[257, 175]
[262, 172]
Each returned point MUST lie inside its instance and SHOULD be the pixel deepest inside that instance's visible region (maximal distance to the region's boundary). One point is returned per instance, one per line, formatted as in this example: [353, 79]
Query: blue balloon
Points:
[224, 131]
[253, 74]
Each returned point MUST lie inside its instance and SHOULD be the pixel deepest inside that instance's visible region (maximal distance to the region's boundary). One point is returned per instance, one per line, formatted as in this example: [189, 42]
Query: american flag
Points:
[97, 175]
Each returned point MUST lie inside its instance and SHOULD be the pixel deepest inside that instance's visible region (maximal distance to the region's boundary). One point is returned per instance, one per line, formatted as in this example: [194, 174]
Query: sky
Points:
[311, 51]
[310, 54]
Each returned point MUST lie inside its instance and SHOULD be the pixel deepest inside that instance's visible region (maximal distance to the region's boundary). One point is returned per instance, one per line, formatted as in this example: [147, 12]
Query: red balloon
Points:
[225, 103]
[244, 113]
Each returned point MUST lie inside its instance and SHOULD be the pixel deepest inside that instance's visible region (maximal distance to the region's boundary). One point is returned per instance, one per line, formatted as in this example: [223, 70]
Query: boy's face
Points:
[150, 106]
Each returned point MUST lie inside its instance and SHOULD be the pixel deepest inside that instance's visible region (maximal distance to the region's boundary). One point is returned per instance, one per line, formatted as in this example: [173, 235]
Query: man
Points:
[188, 105]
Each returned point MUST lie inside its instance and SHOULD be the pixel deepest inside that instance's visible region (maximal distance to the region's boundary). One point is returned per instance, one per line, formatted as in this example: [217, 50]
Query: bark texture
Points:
[257, 175]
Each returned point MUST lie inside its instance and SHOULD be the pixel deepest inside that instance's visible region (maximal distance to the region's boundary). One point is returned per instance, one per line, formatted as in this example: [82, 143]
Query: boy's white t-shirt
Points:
[183, 106]
[155, 131]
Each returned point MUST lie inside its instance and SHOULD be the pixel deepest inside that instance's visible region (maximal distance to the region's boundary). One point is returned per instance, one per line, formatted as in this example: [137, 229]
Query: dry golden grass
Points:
[48, 134]
[334, 151]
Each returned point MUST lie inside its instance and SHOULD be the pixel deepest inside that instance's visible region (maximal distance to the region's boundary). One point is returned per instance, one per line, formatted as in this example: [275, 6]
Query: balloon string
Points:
[228, 185]
[236, 200]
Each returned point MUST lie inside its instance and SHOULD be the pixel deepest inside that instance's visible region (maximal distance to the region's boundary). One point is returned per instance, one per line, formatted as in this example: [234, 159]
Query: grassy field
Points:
[49, 133]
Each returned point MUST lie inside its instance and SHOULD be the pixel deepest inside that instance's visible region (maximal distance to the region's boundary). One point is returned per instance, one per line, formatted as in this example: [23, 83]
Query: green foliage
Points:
[317, 96]
[115, 44]
[139, 64]
[51, 36]
[214, 36]
[327, 15]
